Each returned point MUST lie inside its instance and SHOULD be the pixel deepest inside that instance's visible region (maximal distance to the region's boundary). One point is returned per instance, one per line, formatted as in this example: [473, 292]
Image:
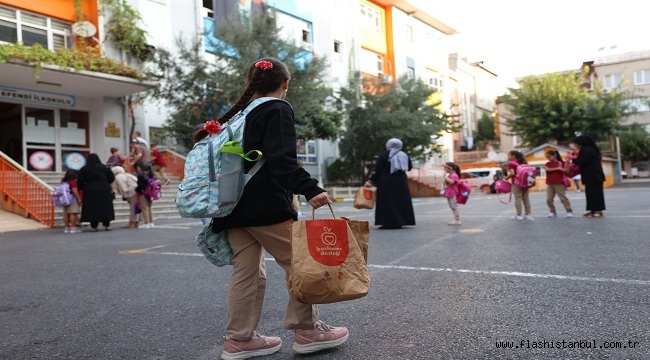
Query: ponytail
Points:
[264, 76]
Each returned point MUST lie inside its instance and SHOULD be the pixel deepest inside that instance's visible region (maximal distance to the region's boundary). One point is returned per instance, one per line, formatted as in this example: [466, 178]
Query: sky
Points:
[515, 38]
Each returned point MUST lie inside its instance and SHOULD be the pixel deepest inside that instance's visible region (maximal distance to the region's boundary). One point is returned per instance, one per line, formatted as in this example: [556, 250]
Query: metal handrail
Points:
[30, 193]
[175, 163]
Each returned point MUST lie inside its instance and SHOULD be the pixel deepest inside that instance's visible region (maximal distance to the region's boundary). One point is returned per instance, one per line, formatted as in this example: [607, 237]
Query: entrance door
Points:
[55, 139]
[11, 137]
[40, 140]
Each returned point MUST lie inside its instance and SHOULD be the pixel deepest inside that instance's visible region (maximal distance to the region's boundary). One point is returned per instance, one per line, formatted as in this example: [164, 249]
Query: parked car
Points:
[482, 178]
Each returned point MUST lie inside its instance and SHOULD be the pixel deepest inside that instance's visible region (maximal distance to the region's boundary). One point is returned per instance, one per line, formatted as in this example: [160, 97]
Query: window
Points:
[371, 17]
[638, 104]
[30, 29]
[208, 9]
[434, 79]
[337, 47]
[612, 81]
[372, 63]
[305, 36]
[642, 77]
[306, 151]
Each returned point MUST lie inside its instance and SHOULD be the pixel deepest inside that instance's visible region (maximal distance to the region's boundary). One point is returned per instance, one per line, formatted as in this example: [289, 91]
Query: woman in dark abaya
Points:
[591, 172]
[394, 207]
[95, 180]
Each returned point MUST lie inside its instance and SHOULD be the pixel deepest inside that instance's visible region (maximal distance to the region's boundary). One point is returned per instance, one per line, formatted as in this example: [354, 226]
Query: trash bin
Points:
[634, 172]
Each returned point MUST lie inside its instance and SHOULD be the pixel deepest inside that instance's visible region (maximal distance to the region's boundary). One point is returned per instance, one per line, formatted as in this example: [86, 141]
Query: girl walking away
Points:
[452, 177]
[515, 159]
[71, 212]
[555, 183]
[591, 172]
[262, 221]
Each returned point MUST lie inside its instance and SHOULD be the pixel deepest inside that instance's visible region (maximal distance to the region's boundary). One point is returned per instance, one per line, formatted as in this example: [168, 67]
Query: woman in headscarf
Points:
[591, 172]
[394, 207]
[95, 180]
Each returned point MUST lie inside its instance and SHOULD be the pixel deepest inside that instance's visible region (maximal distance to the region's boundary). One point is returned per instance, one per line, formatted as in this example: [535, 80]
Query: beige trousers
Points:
[248, 280]
[521, 196]
[159, 172]
[560, 190]
[133, 217]
[147, 214]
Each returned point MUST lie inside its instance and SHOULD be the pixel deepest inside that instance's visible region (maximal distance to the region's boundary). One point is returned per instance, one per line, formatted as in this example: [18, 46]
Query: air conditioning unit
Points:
[385, 78]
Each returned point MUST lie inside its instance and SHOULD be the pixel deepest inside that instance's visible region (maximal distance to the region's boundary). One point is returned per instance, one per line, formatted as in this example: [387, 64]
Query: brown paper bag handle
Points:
[313, 212]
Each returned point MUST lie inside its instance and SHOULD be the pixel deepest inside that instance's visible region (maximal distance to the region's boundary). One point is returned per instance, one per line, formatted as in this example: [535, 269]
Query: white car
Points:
[482, 178]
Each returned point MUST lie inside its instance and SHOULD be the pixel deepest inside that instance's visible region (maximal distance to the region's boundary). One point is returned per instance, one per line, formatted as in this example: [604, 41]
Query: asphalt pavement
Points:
[492, 288]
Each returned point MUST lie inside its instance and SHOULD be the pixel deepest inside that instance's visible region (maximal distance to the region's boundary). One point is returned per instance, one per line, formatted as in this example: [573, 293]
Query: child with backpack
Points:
[144, 196]
[520, 186]
[71, 212]
[555, 175]
[451, 190]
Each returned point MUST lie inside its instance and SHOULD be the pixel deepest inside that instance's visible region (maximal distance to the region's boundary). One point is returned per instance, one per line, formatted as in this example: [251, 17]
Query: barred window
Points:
[29, 29]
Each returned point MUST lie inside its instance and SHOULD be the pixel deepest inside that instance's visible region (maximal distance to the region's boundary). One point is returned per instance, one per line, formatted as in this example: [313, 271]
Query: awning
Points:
[71, 82]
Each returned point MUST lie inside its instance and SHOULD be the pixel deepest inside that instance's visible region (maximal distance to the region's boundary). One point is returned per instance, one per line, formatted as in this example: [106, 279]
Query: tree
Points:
[555, 107]
[635, 142]
[198, 86]
[376, 112]
[484, 129]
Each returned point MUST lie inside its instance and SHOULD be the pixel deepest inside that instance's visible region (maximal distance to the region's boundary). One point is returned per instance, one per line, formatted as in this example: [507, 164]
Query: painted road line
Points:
[174, 227]
[450, 270]
[515, 273]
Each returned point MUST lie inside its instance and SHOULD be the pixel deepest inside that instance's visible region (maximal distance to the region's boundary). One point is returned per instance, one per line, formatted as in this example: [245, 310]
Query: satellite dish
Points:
[492, 155]
[84, 29]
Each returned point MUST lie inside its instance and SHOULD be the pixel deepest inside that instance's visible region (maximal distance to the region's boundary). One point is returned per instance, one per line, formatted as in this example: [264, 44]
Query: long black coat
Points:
[592, 175]
[393, 206]
[97, 194]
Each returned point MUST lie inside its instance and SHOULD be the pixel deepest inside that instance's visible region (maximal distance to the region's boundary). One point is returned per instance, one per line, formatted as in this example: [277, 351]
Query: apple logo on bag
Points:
[327, 241]
[328, 237]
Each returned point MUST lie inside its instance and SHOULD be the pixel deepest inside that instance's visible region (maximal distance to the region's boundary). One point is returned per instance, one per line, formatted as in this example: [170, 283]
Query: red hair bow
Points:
[264, 65]
[212, 127]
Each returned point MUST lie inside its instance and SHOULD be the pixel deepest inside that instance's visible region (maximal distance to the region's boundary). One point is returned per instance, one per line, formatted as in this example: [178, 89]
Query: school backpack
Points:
[525, 176]
[463, 192]
[153, 190]
[214, 176]
[61, 195]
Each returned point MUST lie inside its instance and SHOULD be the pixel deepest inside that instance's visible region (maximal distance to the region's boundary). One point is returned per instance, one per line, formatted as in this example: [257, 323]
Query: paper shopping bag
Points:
[328, 260]
[364, 199]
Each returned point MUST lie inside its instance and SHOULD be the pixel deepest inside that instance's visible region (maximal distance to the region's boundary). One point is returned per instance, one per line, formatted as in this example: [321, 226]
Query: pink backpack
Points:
[525, 176]
[463, 192]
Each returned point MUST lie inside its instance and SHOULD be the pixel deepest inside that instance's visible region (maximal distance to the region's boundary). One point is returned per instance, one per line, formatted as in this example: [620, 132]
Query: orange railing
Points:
[175, 163]
[26, 194]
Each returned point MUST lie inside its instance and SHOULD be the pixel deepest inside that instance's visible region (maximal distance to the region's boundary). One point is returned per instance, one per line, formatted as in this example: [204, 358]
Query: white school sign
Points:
[36, 97]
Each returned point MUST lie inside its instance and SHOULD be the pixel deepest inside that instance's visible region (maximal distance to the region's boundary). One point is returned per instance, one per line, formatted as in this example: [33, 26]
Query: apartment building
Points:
[384, 39]
[51, 121]
[627, 71]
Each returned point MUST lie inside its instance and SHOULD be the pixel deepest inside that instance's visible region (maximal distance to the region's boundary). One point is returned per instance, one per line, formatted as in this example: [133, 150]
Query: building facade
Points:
[53, 118]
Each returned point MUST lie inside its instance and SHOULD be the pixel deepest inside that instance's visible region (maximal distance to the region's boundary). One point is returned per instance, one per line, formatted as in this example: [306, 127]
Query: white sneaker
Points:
[529, 218]
[151, 226]
[145, 226]
[569, 214]
[551, 215]
[517, 217]
[66, 231]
